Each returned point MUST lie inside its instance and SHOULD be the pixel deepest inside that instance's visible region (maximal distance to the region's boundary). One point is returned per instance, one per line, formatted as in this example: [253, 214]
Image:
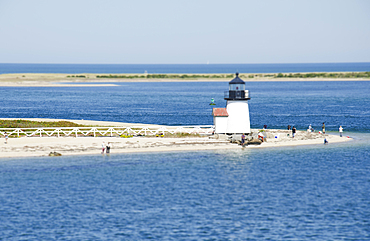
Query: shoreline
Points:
[67, 146]
[91, 80]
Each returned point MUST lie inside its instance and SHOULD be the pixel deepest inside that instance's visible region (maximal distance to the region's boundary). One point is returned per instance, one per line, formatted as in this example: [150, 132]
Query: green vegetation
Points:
[325, 75]
[163, 135]
[180, 135]
[231, 76]
[76, 76]
[167, 76]
[36, 124]
[31, 126]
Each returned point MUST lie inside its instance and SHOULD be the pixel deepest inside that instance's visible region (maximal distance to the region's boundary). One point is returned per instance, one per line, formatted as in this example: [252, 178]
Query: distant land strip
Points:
[223, 76]
[60, 80]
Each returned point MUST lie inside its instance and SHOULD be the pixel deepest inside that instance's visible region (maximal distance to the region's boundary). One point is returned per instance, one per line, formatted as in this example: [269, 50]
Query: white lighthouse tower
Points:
[234, 119]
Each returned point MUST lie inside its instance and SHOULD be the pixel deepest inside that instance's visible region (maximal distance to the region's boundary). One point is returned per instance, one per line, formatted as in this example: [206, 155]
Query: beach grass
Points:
[339, 75]
[37, 124]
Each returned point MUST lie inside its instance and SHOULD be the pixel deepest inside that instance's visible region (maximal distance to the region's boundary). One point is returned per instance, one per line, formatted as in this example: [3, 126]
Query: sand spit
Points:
[36, 146]
[62, 80]
[27, 147]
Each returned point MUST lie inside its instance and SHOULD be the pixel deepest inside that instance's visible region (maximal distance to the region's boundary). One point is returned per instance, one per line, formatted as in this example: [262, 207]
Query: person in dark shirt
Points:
[294, 131]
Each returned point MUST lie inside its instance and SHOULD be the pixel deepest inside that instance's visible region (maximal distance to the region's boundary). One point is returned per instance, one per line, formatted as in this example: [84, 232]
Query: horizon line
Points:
[187, 63]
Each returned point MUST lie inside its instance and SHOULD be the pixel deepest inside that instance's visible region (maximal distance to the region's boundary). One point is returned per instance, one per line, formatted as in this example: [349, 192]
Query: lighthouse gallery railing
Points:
[237, 94]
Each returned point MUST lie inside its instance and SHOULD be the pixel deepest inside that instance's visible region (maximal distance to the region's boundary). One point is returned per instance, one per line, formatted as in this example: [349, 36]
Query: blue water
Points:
[291, 193]
[182, 68]
[275, 104]
[318, 192]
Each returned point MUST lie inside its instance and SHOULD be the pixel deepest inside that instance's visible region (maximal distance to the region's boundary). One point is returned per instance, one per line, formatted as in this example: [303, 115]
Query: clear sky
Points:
[184, 31]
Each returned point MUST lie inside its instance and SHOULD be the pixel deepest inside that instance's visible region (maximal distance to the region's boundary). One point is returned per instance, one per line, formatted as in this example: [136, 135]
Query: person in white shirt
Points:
[102, 147]
[340, 131]
[310, 128]
[261, 136]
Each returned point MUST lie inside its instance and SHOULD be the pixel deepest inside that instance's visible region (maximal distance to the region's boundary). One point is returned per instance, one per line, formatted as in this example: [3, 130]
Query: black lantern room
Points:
[237, 90]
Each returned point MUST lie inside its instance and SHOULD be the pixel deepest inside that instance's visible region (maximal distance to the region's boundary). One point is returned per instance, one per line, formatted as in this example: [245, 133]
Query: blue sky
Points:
[184, 32]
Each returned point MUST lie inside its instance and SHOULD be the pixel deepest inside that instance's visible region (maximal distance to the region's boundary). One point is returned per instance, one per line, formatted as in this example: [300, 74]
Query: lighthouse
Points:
[234, 119]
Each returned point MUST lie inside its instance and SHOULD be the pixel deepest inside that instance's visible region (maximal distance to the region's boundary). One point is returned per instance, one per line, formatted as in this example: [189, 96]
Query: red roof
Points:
[219, 112]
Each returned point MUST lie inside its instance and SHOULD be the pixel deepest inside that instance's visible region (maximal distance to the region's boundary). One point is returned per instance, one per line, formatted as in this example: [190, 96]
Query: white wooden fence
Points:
[105, 131]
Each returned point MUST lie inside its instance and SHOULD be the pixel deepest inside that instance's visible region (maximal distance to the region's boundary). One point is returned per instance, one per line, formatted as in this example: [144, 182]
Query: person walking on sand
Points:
[103, 147]
[6, 138]
[108, 148]
[323, 128]
[293, 131]
[340, 131]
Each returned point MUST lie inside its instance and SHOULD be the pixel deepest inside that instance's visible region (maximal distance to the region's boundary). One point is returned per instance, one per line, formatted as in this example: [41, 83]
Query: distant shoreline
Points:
[98, 80]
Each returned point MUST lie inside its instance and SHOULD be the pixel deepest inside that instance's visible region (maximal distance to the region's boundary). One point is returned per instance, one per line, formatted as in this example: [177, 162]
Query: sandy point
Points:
[36, 146]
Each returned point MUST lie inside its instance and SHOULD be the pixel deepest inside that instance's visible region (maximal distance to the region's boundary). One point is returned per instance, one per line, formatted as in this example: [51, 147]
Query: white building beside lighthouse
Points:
[234, 119]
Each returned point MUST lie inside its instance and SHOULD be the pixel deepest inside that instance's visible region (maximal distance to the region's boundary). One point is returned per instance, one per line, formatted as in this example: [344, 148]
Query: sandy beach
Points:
[42, 146]
[90, 80]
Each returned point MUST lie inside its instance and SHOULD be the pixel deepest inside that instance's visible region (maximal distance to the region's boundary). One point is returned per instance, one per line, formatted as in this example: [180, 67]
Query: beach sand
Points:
[36, 146]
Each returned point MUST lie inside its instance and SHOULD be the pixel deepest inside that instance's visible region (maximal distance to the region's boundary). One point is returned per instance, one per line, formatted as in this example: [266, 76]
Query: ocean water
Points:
[275, 104]
[183, 68]
[318, 192]
[290, 193]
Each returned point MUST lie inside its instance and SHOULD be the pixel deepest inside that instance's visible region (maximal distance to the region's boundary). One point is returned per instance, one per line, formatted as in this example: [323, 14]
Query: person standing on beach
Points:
[243, 139]
[294, 131]
[289, 127]
[323, 128]
[6, 138]
[103, 147]
[340, 131]
[108, 148]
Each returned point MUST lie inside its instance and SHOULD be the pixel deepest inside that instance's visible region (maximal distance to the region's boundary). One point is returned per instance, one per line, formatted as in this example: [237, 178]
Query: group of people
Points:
[294, 130]
[340, 129]
[310, 129]
[261, 137]
[106, 147]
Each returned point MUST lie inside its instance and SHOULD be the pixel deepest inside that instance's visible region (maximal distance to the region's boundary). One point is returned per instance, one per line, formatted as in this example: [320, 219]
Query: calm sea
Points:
[182, 68]
[291, 193]
[275, 104]
[318, 192]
